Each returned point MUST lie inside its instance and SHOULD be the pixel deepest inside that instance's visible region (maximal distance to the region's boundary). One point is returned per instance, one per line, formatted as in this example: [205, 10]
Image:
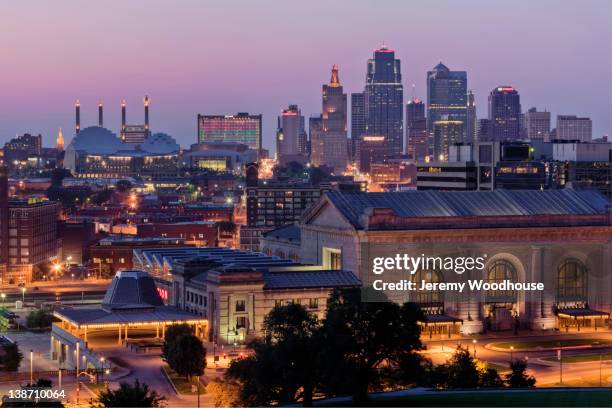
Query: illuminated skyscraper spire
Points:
[59, 144]
[335, 79]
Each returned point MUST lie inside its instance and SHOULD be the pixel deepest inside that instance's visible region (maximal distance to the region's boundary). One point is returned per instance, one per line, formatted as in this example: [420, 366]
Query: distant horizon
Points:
[227, 57]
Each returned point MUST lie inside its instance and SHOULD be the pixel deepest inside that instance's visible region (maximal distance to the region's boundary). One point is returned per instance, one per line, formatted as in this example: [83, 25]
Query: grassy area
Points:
[182, 385]
[558, 398]
[518, 345]
[582, 358]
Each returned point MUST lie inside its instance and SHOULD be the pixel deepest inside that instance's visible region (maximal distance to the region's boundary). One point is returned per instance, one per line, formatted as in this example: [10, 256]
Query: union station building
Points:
[561, 238]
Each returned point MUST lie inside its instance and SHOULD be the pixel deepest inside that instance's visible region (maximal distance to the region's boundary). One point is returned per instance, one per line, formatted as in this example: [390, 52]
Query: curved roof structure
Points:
[96, 139]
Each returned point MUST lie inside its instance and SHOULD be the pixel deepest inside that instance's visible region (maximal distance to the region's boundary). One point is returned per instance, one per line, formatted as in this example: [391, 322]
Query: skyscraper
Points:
[572, 127]
[329, 147]
[446, 98]
[240, 128]
[417, 142]
[537, 124]
[291, 136]
[471, 125]
[358, 121]
[504, 113]
[383, 99]
[447, 133]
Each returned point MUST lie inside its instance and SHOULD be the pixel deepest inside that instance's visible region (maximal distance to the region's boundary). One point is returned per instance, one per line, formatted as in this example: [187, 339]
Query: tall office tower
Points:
[537, 125]
[240, 128]
[383, 99]
[571, 127]
[446, 98]
[77, 117]
[483, 130]
[358, 121]
[417, 142]
[291, 136]
[471, 124]
[358, 117]
[447, 133]
[315, 129]
[504, 113]
[330, 148]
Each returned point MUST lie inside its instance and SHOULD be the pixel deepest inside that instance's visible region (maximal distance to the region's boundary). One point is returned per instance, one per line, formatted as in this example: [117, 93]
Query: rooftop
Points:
[310, 279]
[447, 204]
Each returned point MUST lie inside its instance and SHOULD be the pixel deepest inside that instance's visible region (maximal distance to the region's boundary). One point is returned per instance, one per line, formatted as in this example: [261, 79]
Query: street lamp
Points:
[23, 291]
[31, 368]
[3, 296]
[474, 342]
[102, 363]
[511, 354]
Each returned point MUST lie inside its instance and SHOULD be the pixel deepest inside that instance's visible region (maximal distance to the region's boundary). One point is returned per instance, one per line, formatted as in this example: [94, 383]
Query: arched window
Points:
[428, 298]
[498, 272]
[572, 281]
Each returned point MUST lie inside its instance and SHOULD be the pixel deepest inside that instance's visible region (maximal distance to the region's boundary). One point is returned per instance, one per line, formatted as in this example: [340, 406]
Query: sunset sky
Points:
[259, 56]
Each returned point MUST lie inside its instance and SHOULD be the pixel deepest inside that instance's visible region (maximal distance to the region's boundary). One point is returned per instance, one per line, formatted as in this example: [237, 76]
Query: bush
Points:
[130, 395]
[518, 377]
[38, 319]
[11, 358]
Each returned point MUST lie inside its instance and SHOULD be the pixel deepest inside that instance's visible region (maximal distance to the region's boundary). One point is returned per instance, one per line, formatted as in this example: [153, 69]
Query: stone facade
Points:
[522, 249]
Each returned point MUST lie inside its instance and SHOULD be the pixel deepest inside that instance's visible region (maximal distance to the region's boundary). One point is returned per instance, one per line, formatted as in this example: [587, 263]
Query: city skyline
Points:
[241, 69]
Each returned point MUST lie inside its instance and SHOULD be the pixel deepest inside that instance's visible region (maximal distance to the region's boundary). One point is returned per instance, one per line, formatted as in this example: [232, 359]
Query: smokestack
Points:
[123, 115]
[100, 114]
[77, 111]
[146, 102]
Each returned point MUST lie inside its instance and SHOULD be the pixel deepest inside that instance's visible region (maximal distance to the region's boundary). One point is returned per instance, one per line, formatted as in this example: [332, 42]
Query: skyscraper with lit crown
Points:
[330, 147]
[446, 99]
[383, 99]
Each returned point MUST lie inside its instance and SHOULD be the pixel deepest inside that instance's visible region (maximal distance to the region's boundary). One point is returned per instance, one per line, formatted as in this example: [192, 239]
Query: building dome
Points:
[131, 290]
[96, 139]
[160, 143]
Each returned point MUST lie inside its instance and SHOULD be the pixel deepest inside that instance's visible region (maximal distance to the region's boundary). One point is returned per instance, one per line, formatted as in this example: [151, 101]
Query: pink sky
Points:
[221, 57]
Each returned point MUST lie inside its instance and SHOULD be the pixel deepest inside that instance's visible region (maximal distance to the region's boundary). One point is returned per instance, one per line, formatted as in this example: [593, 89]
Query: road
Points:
[546, 373]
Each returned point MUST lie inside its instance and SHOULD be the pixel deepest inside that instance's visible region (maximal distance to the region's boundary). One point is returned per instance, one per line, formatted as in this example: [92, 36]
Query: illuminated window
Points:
[428, 298]
[572, 281]
[332, 258]
[498, 272]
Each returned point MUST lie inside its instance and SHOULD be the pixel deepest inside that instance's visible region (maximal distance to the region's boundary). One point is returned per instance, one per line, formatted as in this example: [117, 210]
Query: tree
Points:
[362, 337]
[187, 356]
[462, 370]
[172, 333]
[489, 378]
[10, 360]
[518, 378]
[130, 395]
[38, 319]
[284, 366]
[225, 393]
